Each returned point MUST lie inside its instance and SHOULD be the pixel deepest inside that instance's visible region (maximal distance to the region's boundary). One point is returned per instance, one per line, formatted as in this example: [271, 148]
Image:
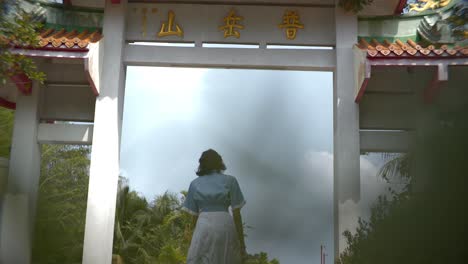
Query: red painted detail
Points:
[115, 1]
[64, 49]
[432, 91]
[72, 51]
[399, 8]
[51, 57]
[55, 49]
[23, 83]
[362, 90]
[416, 57]
[7, 104]
[398, 66]
[90, 79]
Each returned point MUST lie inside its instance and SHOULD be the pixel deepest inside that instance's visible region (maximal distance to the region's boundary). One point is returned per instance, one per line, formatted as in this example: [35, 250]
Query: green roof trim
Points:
[391, 39]
[389, 29]
[68, 8]
[391, 17]
[71, 27]
[415, 38]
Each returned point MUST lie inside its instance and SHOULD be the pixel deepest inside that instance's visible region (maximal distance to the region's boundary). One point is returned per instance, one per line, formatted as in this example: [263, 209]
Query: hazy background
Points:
[274, 130]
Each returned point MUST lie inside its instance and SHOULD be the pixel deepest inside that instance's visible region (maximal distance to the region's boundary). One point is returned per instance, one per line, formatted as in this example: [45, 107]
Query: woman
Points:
[215, 240]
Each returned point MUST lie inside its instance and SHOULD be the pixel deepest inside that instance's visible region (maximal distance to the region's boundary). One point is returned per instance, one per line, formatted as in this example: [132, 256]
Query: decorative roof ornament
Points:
[67, 40]
[418, 6]
[447, 27]
[36, 12]
[459, 22]
[410, 49]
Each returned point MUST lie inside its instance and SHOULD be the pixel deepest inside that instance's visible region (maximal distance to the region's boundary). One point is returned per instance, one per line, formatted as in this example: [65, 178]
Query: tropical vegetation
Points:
[150, 232]
[153, 231]
[156, 231]
[61, 210]
[426, 221]
[18, 28]
[6, 131]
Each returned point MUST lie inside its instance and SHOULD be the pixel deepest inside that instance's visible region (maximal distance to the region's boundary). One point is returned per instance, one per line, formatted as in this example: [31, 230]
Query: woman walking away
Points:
[218, 237]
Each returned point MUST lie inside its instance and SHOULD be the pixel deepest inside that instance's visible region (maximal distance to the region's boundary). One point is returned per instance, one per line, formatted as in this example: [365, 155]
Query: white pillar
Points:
[346, 123]
[104, 169]
[19, 203]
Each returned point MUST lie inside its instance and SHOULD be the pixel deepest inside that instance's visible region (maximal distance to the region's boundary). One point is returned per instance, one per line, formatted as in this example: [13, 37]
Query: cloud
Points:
[274, 130]
[294, 231]
[123, 173]
[371, 187]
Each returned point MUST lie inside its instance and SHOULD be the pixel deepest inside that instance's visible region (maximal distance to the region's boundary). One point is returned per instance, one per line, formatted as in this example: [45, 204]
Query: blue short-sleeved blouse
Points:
[213, 193]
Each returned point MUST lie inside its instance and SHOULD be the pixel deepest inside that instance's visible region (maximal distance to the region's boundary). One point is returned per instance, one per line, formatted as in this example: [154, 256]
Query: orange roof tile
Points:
[386, 49]
[51, 38]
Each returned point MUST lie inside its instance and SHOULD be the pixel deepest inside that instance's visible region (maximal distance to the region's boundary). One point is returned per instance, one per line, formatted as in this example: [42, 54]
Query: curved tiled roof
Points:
[51, 38]
[409, 49]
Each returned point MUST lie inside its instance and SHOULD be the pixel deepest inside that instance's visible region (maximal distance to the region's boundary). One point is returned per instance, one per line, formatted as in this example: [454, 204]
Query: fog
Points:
[274, 130]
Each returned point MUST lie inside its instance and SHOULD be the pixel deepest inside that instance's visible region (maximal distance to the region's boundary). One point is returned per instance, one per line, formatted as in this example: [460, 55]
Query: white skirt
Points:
[215, 240]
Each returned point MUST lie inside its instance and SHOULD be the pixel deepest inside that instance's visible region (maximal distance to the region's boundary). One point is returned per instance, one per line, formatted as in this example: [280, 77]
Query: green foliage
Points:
[170, 254]
[261, 258]
[399, 165]
[156, 232]
[145, 232]
[6, 131]
[354, 5]
[425, 223]
[61, 211]
[17, 28]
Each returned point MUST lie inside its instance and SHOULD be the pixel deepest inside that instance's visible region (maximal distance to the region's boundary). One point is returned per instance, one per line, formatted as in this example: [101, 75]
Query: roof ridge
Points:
[63, 39]
[410, 48]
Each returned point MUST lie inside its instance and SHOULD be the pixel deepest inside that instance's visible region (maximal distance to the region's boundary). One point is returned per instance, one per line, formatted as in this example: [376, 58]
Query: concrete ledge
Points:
[314, 60]
[385, 141]
[65, 134]
[387, 111]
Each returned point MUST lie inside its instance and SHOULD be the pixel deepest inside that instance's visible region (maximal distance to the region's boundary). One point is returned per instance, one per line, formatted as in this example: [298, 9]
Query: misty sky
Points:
[274, 130]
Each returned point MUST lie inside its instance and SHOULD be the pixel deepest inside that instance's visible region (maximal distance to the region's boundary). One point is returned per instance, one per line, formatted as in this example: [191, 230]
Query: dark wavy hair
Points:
[210, 161]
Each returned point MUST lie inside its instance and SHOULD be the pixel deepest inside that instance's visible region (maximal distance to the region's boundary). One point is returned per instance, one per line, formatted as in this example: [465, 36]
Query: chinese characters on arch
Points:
[231, 26]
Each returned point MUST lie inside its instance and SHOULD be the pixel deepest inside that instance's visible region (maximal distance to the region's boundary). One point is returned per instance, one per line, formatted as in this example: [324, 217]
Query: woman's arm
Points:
[194, 222]
[191, 227]
[240, 230]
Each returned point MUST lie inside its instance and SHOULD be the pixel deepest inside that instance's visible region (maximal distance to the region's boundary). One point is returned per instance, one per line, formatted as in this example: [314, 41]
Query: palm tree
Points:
[397, 170]
[149, 232]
